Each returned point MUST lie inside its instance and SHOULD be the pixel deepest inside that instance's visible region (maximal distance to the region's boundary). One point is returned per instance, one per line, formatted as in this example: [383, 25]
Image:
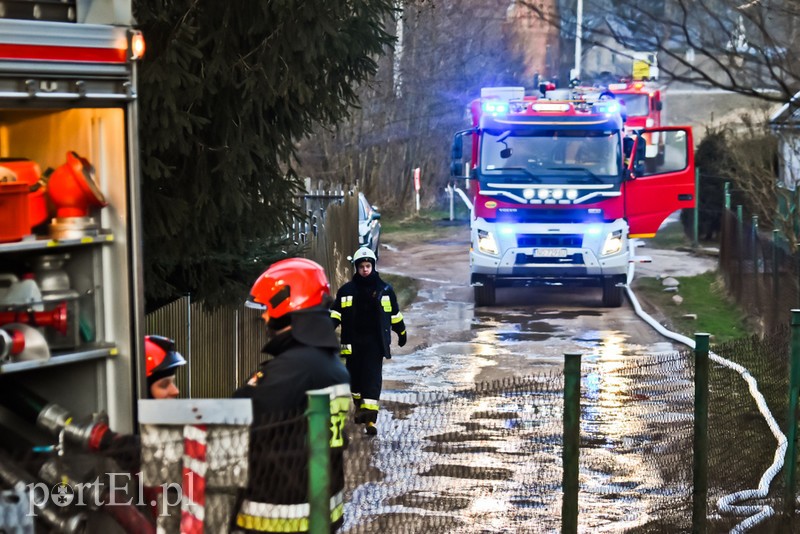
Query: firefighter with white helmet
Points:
[367, 310]
[294, 295]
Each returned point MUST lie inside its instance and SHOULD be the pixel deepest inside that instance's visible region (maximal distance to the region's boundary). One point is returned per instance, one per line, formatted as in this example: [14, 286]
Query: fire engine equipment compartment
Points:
[87, 274]
[69, 89]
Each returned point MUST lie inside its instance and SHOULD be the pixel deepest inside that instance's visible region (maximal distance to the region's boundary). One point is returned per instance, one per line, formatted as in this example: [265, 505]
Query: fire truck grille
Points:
[546, 240]
[530, 259]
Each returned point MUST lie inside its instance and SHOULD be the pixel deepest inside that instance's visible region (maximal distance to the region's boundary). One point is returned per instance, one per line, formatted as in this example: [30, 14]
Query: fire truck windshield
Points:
[552, 156]
[636, 105]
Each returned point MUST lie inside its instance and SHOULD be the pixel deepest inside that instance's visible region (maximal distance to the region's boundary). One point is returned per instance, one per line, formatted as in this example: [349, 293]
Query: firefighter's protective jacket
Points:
[345, 312]
[305, 358]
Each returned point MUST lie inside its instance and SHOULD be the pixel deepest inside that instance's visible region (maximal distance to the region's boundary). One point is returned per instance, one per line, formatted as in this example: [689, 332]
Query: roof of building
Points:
[788, 114]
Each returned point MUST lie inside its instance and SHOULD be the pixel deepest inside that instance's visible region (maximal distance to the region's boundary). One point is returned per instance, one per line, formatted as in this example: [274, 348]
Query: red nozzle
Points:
[55, 318]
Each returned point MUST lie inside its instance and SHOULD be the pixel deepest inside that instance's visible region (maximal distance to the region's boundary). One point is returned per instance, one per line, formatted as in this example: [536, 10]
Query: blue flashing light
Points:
[607, 107]
[505, 230]
[495, 107]
[594, 229]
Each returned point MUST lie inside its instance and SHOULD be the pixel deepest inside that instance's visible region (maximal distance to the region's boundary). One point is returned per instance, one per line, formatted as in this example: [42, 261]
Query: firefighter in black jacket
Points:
[367, 309]
[295, 295]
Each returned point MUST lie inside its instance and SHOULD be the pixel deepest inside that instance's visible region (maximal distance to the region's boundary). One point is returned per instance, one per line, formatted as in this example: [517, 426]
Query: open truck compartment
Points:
[71, 298]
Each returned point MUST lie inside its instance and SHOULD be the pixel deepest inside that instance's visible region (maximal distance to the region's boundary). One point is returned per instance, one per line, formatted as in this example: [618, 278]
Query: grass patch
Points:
[422, 226]
[404, 287]
[703, 295]
[670, 237]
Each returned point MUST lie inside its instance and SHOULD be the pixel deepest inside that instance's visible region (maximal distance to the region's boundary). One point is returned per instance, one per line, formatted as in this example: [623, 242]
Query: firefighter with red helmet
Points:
[294, 295]
[161, 364]
[367, 309]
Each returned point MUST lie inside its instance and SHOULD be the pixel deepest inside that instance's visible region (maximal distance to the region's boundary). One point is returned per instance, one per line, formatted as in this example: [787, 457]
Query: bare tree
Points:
[747, 47]
[411, 108]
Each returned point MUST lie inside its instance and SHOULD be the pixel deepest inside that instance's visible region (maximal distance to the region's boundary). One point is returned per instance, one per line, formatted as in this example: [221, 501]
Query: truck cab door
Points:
[661, 182]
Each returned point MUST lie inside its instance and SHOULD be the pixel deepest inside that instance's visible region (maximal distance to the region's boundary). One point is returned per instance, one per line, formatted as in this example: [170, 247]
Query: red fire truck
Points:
[559, 188]
[643, 105]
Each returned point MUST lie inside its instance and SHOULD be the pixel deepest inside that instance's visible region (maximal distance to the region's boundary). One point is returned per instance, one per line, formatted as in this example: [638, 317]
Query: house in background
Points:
[786, 124]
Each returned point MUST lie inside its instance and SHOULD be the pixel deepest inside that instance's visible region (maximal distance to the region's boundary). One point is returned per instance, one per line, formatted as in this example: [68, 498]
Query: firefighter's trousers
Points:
[365, 365]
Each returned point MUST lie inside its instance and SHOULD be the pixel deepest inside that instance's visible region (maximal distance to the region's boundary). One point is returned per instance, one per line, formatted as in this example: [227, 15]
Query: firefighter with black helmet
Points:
[294, 295]
[161, 364]
[367, 309]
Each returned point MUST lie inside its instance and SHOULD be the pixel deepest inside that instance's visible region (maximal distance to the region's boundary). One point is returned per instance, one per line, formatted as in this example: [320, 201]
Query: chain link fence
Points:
[486, 459]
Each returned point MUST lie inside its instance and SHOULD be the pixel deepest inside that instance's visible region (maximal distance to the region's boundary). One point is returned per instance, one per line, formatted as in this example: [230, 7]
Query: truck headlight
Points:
[487, 243]
[613, 243]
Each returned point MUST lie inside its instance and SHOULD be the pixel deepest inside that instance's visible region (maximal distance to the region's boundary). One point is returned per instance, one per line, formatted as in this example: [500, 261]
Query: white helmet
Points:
[364, 253]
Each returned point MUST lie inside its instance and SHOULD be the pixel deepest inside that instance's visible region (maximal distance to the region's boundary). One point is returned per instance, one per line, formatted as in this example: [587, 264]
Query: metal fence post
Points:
[740, 251]
[700, 458]
[727, 197]
[189, 358]
[756, 266]
[696, 228]
[775, 278]
[572, 410]
[790, 460]
[319, 469]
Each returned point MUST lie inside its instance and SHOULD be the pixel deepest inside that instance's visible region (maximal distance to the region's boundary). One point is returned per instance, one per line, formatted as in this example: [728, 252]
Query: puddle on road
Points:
[495, 464]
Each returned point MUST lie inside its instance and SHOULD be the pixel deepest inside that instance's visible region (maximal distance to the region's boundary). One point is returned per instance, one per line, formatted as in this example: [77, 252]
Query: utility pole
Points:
[575, 73]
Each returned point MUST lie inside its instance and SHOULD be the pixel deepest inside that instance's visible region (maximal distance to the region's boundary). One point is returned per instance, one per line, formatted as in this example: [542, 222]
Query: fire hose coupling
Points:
[89, 435]
[11, 342]
[53, 418]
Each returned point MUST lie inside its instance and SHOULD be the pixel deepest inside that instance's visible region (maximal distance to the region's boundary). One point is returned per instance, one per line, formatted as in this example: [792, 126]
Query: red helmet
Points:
[288, 286]
[160, 355]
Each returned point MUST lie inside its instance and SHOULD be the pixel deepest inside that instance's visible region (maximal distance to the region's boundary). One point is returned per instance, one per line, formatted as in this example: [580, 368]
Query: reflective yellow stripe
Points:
[347, 349]
[370, 404]
[397, 318]
[336, 315]
[250, 519]
[339, 408]
[347, 301]
[264, 524]
[386, 303]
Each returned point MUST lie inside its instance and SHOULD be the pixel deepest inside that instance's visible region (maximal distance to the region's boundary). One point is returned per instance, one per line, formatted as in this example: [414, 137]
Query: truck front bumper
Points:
[544, 254]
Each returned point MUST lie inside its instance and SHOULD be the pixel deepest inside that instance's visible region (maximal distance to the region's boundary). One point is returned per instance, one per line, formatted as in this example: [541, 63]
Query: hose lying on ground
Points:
[755, 513]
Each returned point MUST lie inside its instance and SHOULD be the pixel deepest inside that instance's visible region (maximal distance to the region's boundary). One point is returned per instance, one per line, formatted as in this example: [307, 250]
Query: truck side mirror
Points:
[456, 153]
[627, 147]
[639, 156]
[659, 105]
[458, 148]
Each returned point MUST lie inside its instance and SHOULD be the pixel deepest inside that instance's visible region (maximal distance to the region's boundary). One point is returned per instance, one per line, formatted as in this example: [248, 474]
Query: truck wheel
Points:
[484, 295]
[612, 295]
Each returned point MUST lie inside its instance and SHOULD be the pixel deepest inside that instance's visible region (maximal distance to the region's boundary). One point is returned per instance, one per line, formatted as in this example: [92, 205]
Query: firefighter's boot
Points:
[370, 429]
[360, 416]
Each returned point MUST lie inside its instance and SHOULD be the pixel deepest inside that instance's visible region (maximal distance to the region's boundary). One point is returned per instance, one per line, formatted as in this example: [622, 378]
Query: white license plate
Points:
[550, 253]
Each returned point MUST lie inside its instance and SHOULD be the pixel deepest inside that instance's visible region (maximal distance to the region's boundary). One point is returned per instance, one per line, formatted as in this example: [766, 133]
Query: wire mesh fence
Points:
[760, 271]
[485, 459]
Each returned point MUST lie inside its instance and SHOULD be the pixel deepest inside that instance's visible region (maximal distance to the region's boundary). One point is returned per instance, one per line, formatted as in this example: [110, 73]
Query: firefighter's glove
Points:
[402, 338]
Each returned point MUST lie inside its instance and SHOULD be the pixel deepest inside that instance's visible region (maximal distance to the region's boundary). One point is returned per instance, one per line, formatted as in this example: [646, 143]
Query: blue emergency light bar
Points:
[606, 107]
[495, 107]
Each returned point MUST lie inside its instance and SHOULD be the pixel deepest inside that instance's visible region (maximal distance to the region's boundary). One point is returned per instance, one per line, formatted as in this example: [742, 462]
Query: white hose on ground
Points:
[464, 197]
[726, 504]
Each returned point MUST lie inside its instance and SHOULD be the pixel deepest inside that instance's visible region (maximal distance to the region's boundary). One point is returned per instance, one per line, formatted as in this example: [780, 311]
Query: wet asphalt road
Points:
[453, 346]
[527, 332]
